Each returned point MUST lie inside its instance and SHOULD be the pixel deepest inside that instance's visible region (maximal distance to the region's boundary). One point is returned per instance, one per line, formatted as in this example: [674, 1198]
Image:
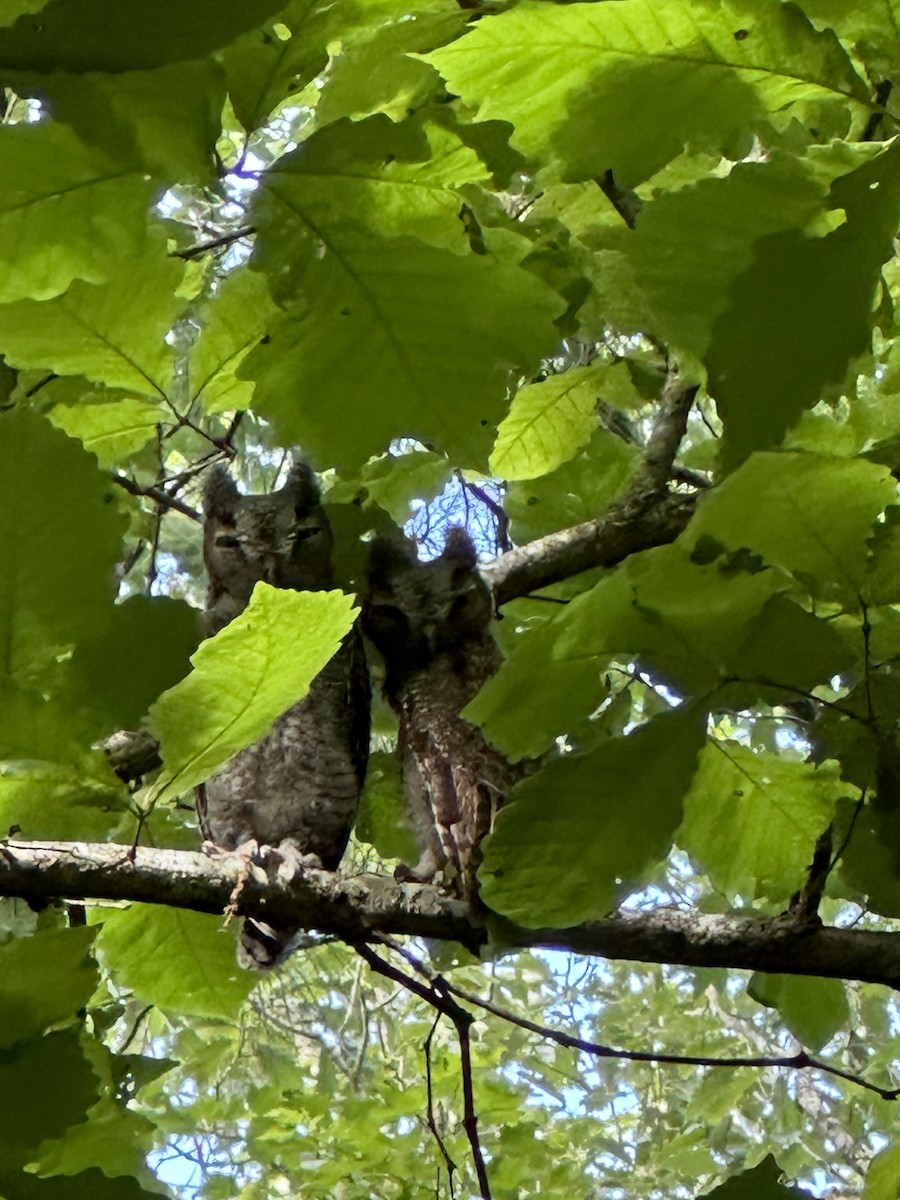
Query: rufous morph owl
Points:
[297, 788]
[431, 621]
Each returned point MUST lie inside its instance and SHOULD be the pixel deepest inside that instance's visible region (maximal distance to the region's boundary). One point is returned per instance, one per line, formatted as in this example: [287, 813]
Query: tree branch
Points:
[635, 524]
[438, 996]
[794, 1062]
[668, 430]
[157, 495]
[647, 516]
[353, 907]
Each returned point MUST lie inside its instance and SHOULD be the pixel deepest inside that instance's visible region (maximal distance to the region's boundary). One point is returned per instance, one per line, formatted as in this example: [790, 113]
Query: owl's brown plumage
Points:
[431, 622]
[299, 786]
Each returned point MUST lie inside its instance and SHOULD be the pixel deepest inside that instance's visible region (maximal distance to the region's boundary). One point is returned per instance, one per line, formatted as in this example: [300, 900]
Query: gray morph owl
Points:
[431, 622]
[297, 788]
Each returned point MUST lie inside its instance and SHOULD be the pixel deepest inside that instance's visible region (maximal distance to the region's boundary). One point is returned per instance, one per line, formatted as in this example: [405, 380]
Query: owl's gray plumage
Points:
[299, 786]
[431, 623]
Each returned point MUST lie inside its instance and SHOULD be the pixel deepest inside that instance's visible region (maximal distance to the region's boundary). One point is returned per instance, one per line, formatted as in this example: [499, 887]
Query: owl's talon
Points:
[292, 863]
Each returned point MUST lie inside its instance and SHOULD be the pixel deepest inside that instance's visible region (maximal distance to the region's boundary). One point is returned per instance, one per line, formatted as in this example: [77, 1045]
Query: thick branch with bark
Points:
[647, 516]
[636, 524]
[357, 907]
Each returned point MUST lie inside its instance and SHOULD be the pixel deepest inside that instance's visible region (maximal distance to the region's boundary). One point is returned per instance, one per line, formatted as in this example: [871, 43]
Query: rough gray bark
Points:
[358, 907]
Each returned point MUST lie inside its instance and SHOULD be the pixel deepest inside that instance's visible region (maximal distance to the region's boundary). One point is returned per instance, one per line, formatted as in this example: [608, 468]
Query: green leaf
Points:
[609, 816]
[113, 1139]
[10, 10]
[163, 122]
[408, 341]
[870, 863]
[548, 422]
[89, 1183]
[382, 819]
[395, 180]
[684, 621]
[112, 429]
[718, 224]
[882, 583]
[59, 541]
[379, 73]
[396, 481]
[45, 978]
[46, 1085]
[113, 333]
[64, 213]
[874, 27]
[788, 647]
[537, 695]
[582, 489]
[802, 311]
[144, 650]
[762, 1183]
[719, 1095]
[243, 678]
[176, 959]
[751, 820]
[232, 322]
[106, 36]
[883, 1175]
[266, 66]
[807, 513]
[812, 1009]
[64, 801]
[564, 76]
[692, 627]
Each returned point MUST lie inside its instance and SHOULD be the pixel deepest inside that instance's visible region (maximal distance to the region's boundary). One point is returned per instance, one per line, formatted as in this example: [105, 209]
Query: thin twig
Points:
[132, 1033]
[497, 511]
[470, 1114]
[430, 1121]
[883, 91]
[693, 478]
[152, 571]
[627, 203]
[41, 383]
[805, 903]
[801, 1061]
[204, 247]
[182, 421]
[158, 495]
[438, 996]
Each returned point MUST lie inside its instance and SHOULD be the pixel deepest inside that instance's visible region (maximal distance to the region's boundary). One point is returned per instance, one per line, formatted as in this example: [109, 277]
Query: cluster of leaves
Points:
[429, 241]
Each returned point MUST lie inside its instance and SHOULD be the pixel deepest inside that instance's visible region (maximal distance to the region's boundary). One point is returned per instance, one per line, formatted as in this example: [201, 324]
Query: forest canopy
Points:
[611, 285]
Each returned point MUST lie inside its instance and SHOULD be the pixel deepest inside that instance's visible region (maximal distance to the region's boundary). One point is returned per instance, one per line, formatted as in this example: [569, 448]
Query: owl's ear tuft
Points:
[387, 557]
[459, 549]
[220, 495]
[301, 486]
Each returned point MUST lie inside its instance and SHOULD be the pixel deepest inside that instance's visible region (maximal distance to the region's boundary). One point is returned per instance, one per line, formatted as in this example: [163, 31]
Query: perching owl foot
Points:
[426, 870]
[249, 855]
[289, 862]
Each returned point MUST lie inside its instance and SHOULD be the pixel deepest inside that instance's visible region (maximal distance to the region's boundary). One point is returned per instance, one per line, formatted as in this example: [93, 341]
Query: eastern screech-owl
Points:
[431, 622]
[299, 786]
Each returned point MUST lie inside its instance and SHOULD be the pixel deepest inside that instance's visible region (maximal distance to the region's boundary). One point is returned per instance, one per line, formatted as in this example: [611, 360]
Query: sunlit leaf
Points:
[609, 816]
[245, 677]
[175, 959]
[64, 214]
[695, 73]
[751, 820]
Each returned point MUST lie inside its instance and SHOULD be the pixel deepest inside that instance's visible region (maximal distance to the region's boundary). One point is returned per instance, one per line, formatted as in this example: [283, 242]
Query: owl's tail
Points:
[262, 946]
